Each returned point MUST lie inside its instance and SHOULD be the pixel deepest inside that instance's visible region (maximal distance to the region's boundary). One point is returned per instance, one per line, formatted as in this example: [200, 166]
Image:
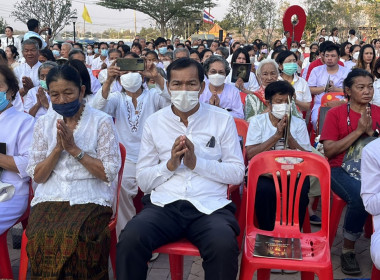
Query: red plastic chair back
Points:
[112, 227]
[287, 214]
[331, 96]
[96, 73]
[242, 129]
[242, 97]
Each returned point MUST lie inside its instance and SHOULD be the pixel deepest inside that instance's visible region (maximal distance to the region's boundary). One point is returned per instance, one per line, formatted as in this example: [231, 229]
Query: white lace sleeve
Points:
[38, 149]
[108, 149]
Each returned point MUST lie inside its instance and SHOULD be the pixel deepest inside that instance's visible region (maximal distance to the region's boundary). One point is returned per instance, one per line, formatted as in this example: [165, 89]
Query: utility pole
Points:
[135, 24]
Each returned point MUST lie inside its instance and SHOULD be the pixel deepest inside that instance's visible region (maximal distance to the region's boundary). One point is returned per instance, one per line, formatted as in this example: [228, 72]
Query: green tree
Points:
[3, 24]
[149, 33]
[252, 17]
[160, 10]
[53, 14]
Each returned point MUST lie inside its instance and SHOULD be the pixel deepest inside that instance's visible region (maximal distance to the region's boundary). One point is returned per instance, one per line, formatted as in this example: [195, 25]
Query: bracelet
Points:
[80, 155]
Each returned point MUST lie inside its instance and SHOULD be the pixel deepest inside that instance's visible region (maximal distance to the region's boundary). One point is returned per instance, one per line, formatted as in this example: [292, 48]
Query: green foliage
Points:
[149, 33]
[3, 24]
[160, 10]
[53, 14]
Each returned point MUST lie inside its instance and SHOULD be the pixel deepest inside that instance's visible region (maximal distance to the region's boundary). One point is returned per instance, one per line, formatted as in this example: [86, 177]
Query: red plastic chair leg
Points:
[307, 275]
[5, 262]
[306, 223]
[113, 251]
[263, 274]
[336, 212]
[375, 273]
[176, 266]
[368, 227]
[23, 269]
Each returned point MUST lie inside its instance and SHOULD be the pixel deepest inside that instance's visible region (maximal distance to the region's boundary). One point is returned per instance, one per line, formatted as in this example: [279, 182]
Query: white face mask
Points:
[216, 79]
[252, 59]
[303, 45]
[355, 55]
[131, 82]
[279, 110]
[112, 61]
[184, 100]
[166, 63]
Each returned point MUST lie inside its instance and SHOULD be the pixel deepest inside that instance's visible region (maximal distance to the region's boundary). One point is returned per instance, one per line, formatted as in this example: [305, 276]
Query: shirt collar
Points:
[191, 117]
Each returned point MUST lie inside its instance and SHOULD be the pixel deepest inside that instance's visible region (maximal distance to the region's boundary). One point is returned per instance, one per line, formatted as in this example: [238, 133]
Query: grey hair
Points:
[224, 51]
[184, 50]
[169, 54]
[215, 58]
[264, 62]
[75, 51]
[30, 42]
[67, 44]
[46, 65]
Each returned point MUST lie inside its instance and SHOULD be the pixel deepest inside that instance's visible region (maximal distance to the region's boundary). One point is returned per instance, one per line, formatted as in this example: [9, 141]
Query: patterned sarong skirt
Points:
[68, 242]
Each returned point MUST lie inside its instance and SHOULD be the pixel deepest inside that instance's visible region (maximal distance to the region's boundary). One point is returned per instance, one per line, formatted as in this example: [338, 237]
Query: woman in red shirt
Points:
[343, 126]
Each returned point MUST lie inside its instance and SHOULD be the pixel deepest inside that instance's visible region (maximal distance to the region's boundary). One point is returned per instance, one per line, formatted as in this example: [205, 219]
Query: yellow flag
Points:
[86, 15]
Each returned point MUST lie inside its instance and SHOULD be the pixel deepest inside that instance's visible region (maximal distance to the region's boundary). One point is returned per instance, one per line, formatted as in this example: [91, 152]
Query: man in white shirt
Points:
[184, 166]
[331, 71]
[27, 72]
[35, 32]
[9, 40]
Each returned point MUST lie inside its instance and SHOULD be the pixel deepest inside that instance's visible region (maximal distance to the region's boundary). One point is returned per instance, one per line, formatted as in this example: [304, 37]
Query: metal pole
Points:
[74, 31]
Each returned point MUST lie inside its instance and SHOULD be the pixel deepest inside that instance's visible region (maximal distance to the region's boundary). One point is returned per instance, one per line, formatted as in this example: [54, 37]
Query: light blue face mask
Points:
[43, 84]
[163, 50]
[96, 50]
[3, 100]
[293, 49]
[104, 52]
[56, 53]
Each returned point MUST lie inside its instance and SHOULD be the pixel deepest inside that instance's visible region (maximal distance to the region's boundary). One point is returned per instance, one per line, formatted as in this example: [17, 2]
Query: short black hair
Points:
[331, 48]
[279, 87]
[159, 40]
[134, 55]
[48, 54]
[324, 45]
[377, 66]
[32, 24]
[9, 27]
[84, 75]
[181, 44]
[152, 53]
[79, 44]
[138, 45]
[286, 32]
[202, 54]
[283, 55]
[352, 31]
[103, 43]
[183, 63]
[350, 79]
[66, 72]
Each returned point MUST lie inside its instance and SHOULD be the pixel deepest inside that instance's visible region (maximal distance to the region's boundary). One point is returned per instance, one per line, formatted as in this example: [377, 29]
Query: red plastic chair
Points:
[177, 250]
[242, 97]
[112, 227]
[96, 73]
[5, 263]
[337, 207]
[331, 96]
[316, 257]
[375, 273]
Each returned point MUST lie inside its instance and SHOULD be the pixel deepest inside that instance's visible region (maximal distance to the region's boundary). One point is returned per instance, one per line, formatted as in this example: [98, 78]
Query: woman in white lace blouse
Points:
[74, 158]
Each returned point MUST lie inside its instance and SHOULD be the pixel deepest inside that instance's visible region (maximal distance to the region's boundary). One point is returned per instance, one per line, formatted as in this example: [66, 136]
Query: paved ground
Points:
[159, 270]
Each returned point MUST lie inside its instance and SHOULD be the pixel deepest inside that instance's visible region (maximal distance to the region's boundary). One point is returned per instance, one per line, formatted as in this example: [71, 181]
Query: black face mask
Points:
[68, 109]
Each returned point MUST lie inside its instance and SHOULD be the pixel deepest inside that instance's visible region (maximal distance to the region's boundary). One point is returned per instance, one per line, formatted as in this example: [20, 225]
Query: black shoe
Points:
[349, 264]
[315, 220]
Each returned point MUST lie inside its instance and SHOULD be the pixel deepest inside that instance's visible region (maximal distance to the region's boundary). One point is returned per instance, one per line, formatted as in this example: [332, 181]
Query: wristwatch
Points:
[80, 155]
